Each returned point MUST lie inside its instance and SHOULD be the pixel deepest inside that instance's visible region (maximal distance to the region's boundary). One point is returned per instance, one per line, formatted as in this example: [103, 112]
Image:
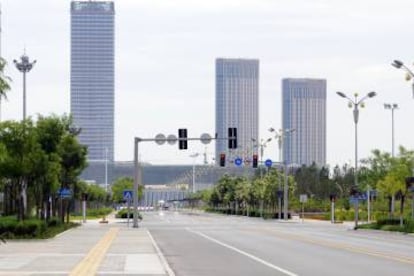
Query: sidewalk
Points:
[91, 249]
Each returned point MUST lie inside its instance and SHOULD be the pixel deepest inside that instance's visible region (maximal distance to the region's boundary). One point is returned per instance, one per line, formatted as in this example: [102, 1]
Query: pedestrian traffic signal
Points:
[182, 138]
[222, 160]
[232, 137]
[332, 197]
[255, 160]
[354, 191]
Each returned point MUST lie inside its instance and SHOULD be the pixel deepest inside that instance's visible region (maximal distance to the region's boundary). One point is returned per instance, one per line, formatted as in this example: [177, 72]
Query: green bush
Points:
[23, 229]
[11, 228]
[124, 214]
[391, 225]
[99, 212]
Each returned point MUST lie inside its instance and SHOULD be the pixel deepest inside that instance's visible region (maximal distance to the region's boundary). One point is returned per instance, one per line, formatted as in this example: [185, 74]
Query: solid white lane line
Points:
[161, 256]
[257, 259]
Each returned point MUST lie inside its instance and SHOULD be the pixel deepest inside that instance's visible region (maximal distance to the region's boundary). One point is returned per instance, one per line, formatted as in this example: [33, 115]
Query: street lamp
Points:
[24, 66]
[261, 145]
[356, 103]
[392, 107]
[409, 74]
[194, 156]
[279, 136]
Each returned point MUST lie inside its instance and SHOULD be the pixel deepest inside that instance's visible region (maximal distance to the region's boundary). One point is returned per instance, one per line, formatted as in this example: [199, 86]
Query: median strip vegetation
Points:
[389, 180]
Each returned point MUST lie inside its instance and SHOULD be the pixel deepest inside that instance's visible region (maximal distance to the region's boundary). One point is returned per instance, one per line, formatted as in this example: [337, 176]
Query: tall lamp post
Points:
[194, 156]
[392, 107]
[409, 74]
[279, 136]
[356, 104]
[24, 66]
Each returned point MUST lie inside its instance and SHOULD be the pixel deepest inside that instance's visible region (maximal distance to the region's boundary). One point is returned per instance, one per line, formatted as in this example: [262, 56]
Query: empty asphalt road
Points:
[208, 244]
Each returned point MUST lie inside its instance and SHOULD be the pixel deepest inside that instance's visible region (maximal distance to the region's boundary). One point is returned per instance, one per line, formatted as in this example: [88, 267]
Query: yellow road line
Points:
[90, 263]
[336, 245]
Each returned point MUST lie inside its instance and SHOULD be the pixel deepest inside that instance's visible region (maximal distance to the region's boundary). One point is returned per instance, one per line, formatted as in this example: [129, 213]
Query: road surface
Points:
[209, 244]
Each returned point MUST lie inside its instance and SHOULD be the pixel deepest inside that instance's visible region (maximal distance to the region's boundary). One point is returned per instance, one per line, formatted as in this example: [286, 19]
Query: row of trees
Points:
[36, 160]
[380, 172]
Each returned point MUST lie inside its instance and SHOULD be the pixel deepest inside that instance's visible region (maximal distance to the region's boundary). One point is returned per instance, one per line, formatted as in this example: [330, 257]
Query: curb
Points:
[164, 262]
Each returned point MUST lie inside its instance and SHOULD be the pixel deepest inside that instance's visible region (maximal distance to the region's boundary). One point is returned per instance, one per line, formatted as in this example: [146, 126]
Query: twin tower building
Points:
[303, 111]
[237, 95]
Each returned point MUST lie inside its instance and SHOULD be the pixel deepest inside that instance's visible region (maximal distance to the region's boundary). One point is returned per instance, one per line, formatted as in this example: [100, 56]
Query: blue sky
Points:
[165, 53]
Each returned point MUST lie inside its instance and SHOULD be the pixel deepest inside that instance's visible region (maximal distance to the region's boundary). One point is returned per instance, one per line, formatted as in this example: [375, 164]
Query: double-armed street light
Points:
[279, 136]
[263, 143]
[356, 103]
[409, 73]
[24, 66]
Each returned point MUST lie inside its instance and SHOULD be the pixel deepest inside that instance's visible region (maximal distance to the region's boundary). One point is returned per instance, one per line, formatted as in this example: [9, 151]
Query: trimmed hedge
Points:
[96, 212]
[252, 212]
[391, 225]
[11, 228]
[124, 214]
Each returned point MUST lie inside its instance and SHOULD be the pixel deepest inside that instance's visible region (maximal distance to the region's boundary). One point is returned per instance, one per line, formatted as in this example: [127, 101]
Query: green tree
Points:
[121, 184]
[22, 158]
[73, 161]
[4, 82]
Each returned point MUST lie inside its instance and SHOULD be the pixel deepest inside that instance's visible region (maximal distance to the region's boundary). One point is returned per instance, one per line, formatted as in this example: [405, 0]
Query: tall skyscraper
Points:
[92, 75]
[304, 110]
[237, 105]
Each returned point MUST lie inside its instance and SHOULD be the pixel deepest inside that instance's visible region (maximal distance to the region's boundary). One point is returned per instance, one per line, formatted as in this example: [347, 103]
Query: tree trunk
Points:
[402, 211]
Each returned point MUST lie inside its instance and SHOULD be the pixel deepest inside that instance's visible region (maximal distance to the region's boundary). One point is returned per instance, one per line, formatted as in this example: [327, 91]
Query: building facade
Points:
[304, 110]
[237, 105]
[92, 76]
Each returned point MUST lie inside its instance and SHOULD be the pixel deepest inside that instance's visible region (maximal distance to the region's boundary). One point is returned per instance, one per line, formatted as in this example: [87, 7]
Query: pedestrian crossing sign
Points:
[127, 195]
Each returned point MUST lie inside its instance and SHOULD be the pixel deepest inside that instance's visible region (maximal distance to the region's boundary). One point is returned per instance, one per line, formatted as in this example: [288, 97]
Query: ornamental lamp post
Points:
[356, 103]
[409, 73]
[280, 135]
[24, 66]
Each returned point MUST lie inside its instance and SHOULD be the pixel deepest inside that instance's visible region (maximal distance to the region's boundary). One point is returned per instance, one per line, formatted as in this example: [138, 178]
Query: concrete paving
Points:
[92, 249]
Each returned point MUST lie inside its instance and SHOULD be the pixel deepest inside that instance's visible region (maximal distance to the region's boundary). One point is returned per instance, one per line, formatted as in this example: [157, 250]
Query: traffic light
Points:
[182, 138]
[354, 191]
[232, 137]
[332, 197]
[222, 160]
[255, 160]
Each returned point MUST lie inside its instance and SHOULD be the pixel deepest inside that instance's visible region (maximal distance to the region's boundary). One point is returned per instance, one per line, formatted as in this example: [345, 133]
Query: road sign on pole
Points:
[238, 161]
[268, 163]
[127, 195]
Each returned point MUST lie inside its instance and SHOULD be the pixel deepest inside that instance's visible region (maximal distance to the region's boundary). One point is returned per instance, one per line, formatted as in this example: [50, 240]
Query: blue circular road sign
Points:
[268, 163]
[238, 161]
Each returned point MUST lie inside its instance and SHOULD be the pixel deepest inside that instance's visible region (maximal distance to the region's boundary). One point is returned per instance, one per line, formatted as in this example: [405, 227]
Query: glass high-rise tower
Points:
[304, 110]
[237, 105]
[92, 75]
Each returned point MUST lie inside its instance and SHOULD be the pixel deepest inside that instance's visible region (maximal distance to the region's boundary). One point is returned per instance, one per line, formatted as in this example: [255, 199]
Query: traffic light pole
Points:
[136, 182]
[137, 167]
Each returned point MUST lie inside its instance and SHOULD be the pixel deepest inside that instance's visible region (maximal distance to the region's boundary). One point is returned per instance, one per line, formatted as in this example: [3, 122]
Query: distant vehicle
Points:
[163, 205]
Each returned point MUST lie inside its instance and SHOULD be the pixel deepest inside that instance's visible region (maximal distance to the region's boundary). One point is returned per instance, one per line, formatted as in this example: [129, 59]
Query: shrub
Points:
[124, 214]
[99, 212]
[23, 229]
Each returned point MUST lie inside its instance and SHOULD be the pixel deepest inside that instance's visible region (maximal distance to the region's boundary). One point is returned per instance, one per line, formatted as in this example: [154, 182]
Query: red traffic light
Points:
[222, 160]
[255, 160]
